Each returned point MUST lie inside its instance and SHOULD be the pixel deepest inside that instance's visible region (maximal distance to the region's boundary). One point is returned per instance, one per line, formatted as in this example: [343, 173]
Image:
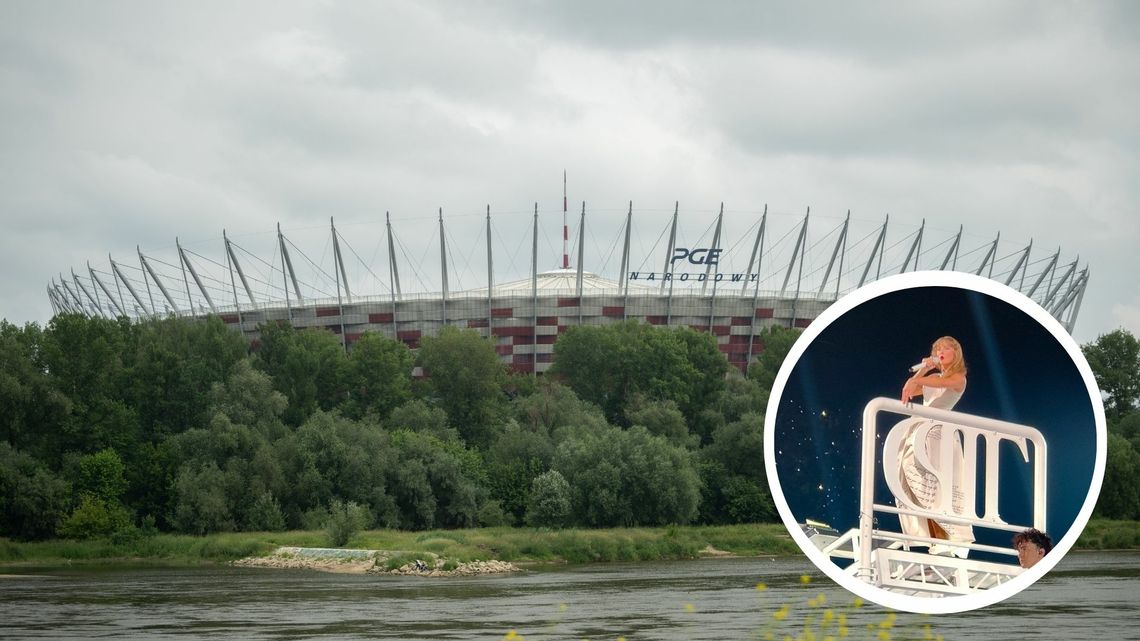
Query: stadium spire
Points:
[565, 228]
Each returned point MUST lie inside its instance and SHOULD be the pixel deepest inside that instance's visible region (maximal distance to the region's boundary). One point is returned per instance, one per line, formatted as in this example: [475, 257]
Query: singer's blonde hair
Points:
[959, 362]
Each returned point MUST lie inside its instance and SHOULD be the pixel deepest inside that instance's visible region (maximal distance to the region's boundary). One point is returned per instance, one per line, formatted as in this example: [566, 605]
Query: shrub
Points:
[491, 514]
[96, 518]
[400, 560]
[345, 520]
[264, 515]
[315, 519]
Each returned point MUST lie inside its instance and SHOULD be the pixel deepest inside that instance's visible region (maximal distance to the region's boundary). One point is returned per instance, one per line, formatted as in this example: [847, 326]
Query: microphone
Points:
[918, 366]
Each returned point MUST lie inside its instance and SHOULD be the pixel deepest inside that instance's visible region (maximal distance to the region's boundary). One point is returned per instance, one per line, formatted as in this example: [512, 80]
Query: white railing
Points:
[954, 425]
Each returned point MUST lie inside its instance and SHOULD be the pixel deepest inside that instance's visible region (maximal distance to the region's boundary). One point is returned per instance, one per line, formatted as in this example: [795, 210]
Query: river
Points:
[1093, 596]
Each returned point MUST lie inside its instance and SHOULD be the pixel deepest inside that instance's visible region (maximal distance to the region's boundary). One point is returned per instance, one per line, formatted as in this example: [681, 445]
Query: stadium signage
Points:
[686, 276]
[698, 256]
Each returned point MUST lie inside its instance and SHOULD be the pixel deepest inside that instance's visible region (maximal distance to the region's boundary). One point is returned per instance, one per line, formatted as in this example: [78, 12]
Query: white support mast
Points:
[624, 283]
[106, 291]
[953, 251]
[338, 267]
[989, 254]
[188, 266]
[840, 243]
[1020, 261]
[668, 268]
[123, 279]
[715, 247]
[795, 255]
[79, 284]
[874, 250]
[490, 274]
[708, 268]
[237, 266]
[1048, 269]
[154, 276]
[915, 249]
[443, 266]
[757, 251]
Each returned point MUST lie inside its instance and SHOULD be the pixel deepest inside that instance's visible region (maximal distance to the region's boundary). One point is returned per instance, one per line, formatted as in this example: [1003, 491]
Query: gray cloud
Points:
[132, 123]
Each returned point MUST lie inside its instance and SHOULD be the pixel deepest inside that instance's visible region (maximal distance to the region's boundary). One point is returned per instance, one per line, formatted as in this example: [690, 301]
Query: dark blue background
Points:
[1018, 372]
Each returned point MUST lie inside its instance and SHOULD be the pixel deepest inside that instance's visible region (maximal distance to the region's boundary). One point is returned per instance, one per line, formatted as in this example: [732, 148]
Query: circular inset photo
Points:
[935, 442]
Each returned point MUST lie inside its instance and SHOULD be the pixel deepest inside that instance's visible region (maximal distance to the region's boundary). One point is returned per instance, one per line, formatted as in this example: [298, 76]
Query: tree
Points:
[1115, 361]
[32, 409]
[94, 518]
[710, 367]
[740, 396]
[265, 514]
[89, 362]
[610, 365]
[306, 365]
[200, 504]
[549, 503]
[555, 410]
[99, 481]
[150, 472]
[33, 501]
[378, 376]
[1119, 493]
[466, 377]
[597, 363]
[244, 423]
[661, 418]
[1127, 426]
[514, 460]
[247, 397]
[734, 484]
[345, 520]
[627, 478]
[777, 342]
[746, 501]
[418, 416]
[334, 458]
[435, 483]
[176, 365]
[101, 475]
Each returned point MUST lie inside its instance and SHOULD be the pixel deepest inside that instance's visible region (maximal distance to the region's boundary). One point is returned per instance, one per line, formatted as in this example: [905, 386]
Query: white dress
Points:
[921, 484]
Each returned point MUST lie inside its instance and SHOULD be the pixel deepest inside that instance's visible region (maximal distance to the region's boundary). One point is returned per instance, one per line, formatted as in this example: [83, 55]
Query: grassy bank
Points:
[519, 545]
[1103, 534]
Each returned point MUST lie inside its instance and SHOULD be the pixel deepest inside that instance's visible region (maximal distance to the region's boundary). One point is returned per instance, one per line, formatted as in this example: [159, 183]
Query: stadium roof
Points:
[726, 254]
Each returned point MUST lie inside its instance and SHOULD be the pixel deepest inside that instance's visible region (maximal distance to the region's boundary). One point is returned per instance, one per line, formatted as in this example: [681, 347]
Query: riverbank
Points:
[514, 545]
[519, 546]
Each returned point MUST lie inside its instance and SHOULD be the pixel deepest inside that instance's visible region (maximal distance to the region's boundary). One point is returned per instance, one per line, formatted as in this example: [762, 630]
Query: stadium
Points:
[522, 278]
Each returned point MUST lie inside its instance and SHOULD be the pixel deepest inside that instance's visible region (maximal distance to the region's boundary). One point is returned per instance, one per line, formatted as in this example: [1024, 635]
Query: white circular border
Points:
[910, 281]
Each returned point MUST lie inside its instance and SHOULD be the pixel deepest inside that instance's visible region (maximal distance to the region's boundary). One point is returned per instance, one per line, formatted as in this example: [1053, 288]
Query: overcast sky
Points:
[132, 123]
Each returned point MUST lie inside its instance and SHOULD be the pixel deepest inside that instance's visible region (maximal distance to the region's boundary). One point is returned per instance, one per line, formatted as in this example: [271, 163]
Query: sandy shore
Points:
[369, 562]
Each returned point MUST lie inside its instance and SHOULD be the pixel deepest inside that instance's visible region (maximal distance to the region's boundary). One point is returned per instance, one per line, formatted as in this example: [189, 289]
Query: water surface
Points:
[1088, 596]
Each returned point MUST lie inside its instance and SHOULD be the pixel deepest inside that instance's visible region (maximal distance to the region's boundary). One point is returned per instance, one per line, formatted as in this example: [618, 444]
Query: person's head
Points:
[947, 352]
[1032, 545]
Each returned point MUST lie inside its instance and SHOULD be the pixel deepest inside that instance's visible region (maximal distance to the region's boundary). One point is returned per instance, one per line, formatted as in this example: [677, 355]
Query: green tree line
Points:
[1115, 361]
[115, 428]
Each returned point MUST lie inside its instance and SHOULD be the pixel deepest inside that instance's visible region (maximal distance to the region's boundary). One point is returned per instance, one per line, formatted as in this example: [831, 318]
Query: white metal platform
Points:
[890, 559]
